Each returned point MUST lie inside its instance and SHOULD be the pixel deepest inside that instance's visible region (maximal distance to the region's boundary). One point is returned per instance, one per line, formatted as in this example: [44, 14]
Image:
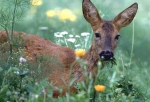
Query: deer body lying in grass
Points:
[106, 34]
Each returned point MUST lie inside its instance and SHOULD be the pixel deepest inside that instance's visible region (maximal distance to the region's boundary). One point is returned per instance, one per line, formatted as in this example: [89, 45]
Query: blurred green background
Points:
[37, 22]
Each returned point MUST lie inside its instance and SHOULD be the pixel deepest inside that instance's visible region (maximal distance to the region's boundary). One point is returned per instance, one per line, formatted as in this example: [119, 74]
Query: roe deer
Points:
[106, 34]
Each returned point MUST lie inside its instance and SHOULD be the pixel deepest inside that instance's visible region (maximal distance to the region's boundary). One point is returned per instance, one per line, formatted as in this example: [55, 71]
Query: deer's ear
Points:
[125, 17]
[90, 13]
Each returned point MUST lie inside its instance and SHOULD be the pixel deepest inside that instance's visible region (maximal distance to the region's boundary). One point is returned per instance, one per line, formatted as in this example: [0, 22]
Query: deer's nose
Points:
[106, 55]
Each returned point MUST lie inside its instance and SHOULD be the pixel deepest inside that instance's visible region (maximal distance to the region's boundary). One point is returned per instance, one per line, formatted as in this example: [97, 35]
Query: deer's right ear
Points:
[90, 13]
[125, 17]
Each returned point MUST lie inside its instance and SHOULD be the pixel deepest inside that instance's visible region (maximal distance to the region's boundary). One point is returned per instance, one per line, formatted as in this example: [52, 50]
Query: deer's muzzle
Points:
[106, 55]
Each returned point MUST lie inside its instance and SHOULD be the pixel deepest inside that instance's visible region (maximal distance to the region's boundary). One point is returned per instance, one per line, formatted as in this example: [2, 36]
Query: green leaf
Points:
[13, 69]
[4, 90]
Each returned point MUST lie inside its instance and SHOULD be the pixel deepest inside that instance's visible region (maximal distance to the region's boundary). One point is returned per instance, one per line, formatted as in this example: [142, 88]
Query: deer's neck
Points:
[91, 57]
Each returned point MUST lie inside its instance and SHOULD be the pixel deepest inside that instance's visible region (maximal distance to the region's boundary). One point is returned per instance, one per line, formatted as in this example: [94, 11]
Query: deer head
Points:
[106, 32]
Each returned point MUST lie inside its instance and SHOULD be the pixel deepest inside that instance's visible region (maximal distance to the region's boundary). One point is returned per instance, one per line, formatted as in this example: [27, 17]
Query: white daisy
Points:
[71, 40]
[85, 34]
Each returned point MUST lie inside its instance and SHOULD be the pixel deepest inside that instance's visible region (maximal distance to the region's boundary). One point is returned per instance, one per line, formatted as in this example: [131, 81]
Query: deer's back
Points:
[37, 46]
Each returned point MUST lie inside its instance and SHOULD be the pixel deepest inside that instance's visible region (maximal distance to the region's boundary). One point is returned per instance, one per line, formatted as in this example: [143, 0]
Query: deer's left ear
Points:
[125, 17]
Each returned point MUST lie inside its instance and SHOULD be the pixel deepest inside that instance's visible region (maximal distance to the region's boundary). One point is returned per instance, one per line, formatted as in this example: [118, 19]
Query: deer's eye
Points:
[117, 37]
[97, 35]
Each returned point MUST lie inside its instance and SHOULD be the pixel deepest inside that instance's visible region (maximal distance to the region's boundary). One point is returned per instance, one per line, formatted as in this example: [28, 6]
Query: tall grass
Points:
[132, 43]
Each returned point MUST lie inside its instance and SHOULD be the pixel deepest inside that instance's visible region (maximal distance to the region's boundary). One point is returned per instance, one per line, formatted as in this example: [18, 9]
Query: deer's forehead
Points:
[107, 28]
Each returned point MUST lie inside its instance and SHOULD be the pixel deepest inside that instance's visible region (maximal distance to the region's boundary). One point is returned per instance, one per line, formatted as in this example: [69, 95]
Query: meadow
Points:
[62, 22]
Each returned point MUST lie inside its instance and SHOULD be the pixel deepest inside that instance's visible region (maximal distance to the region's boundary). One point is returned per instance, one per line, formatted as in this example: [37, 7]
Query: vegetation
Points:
[62, 22]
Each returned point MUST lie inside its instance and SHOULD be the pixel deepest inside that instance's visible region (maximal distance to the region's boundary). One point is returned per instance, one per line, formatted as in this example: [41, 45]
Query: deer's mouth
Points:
[106, 56]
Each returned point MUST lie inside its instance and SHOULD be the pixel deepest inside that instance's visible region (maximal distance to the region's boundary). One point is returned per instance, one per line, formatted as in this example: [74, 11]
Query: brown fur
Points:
[108, 30]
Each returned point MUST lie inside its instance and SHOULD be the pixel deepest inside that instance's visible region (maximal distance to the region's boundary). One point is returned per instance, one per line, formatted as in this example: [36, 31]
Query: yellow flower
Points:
[50, 13]
[66, 14]
[99, 88]
[72, 18]
[80, 52]
[36, 2]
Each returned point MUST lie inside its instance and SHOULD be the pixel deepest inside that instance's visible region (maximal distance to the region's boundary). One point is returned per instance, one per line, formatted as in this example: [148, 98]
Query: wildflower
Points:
[66, 14]
[36, 2]
[70, 36]
[77, 36]
[22, 60]
[50, 13]
[63, 33]
[58, 34]
[99, 88]
[21, 74]
[80, 52]
[72, 17]
[43, 91]
[71, 40]
[85, 34]
[16, 72]
[77, 45]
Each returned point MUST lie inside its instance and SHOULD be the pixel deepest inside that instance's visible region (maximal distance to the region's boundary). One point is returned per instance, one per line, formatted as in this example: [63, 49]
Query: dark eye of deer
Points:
[97, 35]
[117, 37]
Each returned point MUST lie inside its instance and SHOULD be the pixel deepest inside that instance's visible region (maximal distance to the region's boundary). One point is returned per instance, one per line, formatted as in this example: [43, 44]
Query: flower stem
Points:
[132, 45]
